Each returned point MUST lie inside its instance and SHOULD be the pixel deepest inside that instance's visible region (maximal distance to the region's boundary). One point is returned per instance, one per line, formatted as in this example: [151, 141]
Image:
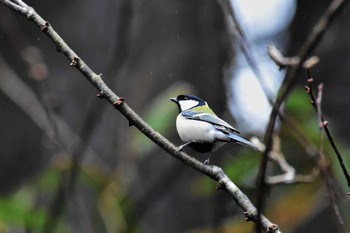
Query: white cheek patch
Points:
[187, 104]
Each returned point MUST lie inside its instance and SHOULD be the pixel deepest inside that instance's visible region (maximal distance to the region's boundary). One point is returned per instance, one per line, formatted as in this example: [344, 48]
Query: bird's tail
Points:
[243, 142]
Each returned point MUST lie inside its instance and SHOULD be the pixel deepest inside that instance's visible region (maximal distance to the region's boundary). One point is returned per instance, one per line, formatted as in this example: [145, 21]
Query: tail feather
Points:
[243, 142]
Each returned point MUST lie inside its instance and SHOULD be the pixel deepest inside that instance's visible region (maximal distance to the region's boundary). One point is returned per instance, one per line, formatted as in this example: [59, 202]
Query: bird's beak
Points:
[174, 100]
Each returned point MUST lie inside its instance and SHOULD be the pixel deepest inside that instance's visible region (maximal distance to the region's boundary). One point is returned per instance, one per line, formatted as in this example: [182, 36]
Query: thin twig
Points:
[330, 186]
[319, 113]
[120, 104]
[324, 124]
[289, 176]
[236, 30]
[309, 44]
[30, 104]
[239, 35]
[278, 57]
[322, 160]
[14, 6]
[282, 61]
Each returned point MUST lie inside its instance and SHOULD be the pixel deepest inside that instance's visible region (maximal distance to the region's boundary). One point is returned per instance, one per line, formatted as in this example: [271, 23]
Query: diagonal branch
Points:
[310, 43]
[324, 124]
[278, 57]
[214, 172]
[236, 30]
[322, 160]
[283, 62]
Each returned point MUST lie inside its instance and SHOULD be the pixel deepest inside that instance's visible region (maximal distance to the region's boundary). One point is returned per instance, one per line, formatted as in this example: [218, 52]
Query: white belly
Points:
[195, 131]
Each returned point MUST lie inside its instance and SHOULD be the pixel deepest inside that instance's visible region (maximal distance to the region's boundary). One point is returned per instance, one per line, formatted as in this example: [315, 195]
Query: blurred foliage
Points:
[288, 205]
[241, 168]
[152, 39]
[22, 209]
[27, 208]
[299, 107]
[289, 210]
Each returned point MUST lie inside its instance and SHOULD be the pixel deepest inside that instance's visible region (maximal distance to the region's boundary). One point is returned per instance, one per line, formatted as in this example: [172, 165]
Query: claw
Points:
[182, 146]
[207, 161]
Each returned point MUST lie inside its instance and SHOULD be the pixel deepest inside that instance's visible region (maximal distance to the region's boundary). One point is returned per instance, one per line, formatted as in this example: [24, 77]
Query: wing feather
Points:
[216, 121]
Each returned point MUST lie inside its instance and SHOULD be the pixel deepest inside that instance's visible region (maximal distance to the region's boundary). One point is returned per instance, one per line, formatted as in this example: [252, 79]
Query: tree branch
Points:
[279, 59]
[323, 124]
[282, 62]
[321, 159]
[214, 172]
[309, 44]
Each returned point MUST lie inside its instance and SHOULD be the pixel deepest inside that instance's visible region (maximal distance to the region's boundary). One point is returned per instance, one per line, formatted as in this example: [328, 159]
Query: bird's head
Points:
[185, 102]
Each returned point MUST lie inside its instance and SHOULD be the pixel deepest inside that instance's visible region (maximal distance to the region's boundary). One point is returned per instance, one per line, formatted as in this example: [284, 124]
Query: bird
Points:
[201, 129]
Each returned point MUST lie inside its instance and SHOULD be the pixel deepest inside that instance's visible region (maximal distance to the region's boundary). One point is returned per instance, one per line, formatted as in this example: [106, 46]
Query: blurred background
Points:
[69, 162]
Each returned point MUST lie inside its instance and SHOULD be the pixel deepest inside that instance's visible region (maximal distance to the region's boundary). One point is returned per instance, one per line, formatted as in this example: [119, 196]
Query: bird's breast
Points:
[194, 130]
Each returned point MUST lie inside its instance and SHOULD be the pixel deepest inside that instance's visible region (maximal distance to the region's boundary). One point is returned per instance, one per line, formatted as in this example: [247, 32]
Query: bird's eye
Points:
[182, 97]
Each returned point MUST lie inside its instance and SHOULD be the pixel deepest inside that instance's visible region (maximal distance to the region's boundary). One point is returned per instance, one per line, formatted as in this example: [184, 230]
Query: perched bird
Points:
[201, 129]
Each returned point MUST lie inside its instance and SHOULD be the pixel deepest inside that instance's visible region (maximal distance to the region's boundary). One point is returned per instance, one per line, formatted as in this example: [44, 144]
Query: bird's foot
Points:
[206, 162]
[182, 146]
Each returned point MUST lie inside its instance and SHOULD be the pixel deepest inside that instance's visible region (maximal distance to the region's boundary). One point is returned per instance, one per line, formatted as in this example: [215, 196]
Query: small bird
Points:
[201, 129]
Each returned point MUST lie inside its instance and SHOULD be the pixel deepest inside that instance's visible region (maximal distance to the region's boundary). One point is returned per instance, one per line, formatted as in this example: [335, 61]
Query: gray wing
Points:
[203, 116]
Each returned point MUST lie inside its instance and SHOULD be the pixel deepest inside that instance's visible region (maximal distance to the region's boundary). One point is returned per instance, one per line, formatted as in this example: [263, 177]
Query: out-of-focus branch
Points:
[279, 59]
[321, 158]
[57, 130]
[282, 62]
[26, 99]
[119, 103]
[239, 35]
[289, 176]
[309, 44]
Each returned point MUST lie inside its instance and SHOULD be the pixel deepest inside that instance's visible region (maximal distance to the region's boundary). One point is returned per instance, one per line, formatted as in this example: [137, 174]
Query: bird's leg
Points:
[207, 161]
[182, 146]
